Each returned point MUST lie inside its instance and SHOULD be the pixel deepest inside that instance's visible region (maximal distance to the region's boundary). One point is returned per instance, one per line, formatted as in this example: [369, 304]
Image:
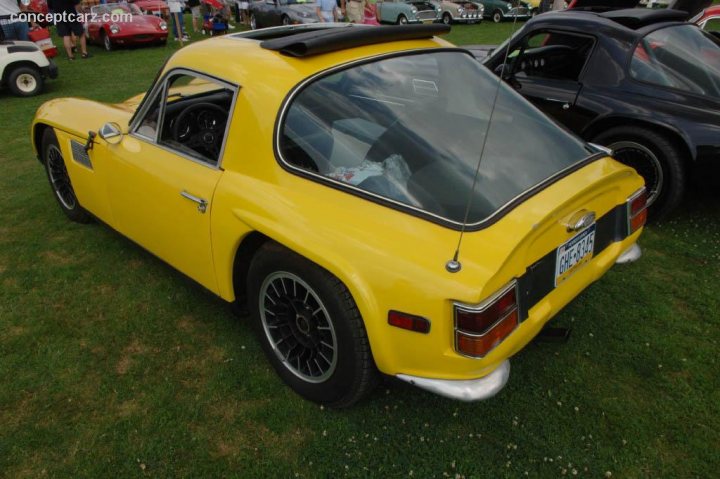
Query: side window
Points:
[552, 55]
[190, 115]
[712, 25]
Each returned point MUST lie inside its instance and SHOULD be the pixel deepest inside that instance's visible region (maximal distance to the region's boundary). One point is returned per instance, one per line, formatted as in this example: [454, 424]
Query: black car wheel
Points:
[657, 159]
[25, 81]
[60, 179]
[402, 20]
[285, 20]
[107, 43]
[253, 22]
[497, 16]
[310, 328]
[446, 18]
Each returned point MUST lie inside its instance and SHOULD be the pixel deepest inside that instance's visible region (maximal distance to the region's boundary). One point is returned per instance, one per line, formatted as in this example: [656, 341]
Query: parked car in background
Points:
[640, 81]
[709, 19]
[140, 29]
[499, 10]
[403, 12]
[159, 8]
[24, 67]
[461, 11]
[293, 169]
[270, 13]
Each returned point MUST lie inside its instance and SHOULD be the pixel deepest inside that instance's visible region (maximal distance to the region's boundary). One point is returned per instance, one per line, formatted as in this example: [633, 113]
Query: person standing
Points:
[176, 12]
[326, 11]
[195, 12]
[13, 30]
[70, 23]
[354, 10]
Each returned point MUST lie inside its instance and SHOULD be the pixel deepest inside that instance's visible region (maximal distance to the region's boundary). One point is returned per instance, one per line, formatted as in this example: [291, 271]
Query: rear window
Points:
[410, 129]
[681, 57]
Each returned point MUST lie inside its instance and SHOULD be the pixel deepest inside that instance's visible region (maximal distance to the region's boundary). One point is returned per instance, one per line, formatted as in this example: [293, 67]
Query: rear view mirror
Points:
[111, 133]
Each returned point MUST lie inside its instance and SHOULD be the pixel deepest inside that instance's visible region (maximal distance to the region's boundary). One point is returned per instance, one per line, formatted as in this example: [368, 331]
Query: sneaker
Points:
[85, 56]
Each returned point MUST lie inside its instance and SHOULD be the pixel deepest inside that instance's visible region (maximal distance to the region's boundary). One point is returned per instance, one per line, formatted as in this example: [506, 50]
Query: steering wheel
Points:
[201, 127]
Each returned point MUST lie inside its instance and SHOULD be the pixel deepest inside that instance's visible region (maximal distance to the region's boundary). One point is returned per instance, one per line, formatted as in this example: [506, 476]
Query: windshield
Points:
[116, 9]
[681, 57]
[410, 129]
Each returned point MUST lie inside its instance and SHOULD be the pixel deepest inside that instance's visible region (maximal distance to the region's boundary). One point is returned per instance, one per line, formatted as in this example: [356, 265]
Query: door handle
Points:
[565, 104]
[202, 204]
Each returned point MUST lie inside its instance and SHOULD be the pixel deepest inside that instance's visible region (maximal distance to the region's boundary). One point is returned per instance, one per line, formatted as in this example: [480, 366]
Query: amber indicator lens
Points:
[480, 346]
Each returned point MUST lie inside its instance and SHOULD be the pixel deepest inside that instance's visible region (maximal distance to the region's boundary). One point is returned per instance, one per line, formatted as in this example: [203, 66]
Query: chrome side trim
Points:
[464, 390]
[630, 255]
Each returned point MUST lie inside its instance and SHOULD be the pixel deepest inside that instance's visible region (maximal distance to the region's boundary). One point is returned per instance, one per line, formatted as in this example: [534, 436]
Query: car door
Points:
[164, 172]
[546, 69]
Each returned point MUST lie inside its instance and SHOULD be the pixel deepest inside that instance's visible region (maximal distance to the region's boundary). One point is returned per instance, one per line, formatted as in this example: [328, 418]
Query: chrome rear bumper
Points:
[464, 390]
[630, 255]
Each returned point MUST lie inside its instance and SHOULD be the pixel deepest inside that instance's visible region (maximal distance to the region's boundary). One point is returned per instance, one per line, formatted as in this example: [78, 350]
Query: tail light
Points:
[637, 210]
[479, 329]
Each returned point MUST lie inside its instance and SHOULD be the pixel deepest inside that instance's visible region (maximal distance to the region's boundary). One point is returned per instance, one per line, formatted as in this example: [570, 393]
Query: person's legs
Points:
[68, 46]
[21, 31]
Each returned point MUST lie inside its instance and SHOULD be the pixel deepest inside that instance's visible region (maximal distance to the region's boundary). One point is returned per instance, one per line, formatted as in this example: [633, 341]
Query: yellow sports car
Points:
[377, 199]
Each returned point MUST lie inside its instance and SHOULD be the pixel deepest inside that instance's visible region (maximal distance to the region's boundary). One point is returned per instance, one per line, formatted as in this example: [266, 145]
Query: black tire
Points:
[303, 313]
[106, 42]
[285, 20]
[25, 81]
[497, 16]
[59, 179]
[446, 18]
[253, 22]
[402, 20]
[656, 158]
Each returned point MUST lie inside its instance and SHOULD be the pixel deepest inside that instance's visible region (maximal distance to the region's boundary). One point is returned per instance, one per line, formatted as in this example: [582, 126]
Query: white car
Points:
[24, 67]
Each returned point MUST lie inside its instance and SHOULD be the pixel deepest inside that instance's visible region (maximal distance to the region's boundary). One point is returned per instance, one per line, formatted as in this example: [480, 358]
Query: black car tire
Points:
[25, 81]
[253, 22]
[304, 309]
[656, 158]
[446, 18]
[105, 40]
[285, 20]
[497, 16]
[402, 20]
[57, 175]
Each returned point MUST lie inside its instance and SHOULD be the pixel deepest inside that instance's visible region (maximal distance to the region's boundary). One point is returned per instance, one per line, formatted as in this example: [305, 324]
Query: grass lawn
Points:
[113, 364]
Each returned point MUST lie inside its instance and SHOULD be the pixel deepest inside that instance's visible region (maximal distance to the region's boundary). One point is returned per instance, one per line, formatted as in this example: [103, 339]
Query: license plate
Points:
[574, 253]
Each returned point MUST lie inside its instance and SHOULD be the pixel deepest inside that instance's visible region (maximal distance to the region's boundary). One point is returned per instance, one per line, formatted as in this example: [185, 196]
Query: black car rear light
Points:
[479, 329]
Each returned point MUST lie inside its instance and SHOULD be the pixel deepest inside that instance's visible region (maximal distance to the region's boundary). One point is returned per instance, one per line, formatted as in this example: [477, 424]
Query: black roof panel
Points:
[640, 17]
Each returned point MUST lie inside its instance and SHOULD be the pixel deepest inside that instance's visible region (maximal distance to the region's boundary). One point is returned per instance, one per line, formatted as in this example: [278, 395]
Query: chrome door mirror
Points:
[111, 133]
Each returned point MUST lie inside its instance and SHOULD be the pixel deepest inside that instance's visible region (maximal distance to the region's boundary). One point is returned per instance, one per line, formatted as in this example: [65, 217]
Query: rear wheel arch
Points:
[604, 124]
[244, 254]
[9, 68]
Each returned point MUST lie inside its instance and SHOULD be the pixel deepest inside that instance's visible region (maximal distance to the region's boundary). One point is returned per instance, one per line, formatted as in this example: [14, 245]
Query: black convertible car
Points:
[642, 82]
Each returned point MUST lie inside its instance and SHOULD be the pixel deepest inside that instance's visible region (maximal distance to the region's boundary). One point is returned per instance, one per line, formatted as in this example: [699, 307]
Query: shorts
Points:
[196, 12]
[327, 16]
[355, 11]
[65, 28]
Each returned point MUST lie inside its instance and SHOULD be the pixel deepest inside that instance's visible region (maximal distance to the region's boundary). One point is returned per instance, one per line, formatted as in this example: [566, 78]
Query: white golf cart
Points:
[23, 66]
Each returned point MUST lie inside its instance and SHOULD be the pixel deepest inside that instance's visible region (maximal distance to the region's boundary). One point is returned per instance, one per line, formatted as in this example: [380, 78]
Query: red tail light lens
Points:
[637, 210]
[479, 329]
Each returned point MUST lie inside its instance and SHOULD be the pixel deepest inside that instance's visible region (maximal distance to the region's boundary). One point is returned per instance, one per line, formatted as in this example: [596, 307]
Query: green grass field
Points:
[113, 364]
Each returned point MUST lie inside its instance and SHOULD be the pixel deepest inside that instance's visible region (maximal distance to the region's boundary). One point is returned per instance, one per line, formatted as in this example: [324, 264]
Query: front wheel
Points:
[253, 22]
[25, 81]
[60, 179]
[285, 20]
[656, 158]
[446, 18]
[107, 44]
[402, 20]
[497, 16]
[310, 328]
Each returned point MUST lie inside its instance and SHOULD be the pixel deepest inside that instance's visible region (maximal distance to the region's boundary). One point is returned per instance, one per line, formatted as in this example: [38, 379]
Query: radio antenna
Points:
[454, 265]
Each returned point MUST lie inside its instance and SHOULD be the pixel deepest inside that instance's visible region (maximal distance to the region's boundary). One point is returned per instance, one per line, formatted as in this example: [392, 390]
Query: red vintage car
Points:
[159, 8]
[122, 24]
[709, 19]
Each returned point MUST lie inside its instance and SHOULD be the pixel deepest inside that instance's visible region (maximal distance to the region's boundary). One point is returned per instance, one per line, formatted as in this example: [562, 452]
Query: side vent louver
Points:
[79, 154]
